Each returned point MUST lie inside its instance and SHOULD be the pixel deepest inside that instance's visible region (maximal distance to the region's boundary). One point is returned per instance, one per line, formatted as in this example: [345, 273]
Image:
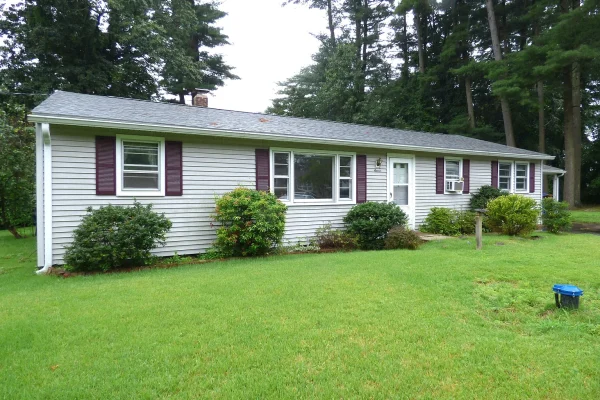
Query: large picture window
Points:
[140, 166]
[304, 177]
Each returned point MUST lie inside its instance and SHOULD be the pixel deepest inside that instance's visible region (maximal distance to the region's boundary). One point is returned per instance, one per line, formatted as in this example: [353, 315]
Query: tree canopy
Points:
[518, 72]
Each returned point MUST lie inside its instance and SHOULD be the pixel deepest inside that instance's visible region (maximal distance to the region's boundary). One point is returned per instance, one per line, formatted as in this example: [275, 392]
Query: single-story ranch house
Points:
[96, 150]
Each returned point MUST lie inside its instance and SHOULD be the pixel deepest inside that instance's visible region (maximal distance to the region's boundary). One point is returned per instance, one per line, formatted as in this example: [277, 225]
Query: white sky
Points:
[269, 43]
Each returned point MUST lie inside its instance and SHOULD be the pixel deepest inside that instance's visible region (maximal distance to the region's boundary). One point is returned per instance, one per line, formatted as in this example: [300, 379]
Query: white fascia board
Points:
[96, 123]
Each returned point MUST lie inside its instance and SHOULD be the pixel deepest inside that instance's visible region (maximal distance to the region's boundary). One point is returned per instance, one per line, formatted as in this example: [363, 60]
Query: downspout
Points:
[47, 154]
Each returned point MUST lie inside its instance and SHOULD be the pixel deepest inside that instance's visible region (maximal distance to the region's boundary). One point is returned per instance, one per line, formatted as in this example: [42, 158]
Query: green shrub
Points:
[440, 221]
[251, 222]
[371, 222]
[400, 237]
[555, 215]
[513, 214]
[334, 239]
[449, 222]
[483, 196]
[115, 236]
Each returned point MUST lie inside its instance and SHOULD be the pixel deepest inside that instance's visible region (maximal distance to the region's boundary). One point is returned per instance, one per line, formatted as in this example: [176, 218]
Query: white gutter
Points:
[45, 128]
[39, 193]
[140, 126]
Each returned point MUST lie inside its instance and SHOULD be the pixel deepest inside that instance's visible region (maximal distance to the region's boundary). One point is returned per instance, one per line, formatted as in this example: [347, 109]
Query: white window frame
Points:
[526, 190]
[460, 173]
[336, 176]
[511, 185]
[288, 176]
[161, 166]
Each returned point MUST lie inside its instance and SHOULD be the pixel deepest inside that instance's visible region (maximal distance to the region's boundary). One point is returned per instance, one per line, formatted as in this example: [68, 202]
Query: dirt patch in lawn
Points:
[580, 227]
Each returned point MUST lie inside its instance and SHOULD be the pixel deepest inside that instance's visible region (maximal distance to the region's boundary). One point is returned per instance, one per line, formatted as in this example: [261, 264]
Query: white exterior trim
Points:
[460, 174]
[39, 193]
[336, 178]
[268, 136]
[411, 183]
[161, 166]
[45, 128]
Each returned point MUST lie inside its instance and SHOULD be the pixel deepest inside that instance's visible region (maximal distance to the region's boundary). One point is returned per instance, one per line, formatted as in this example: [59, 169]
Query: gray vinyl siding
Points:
[377, 189]
[209, 170]
[212, 168]
[480, 175]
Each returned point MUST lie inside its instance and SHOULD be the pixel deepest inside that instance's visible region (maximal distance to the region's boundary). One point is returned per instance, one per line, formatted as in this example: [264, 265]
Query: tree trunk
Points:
[506, 115]
[14, 232]
[576, 90]
[182, 98]
[420, 42]
[470, 102]
[405, 55]
[330, 21]
[541, 118]
[569, 185]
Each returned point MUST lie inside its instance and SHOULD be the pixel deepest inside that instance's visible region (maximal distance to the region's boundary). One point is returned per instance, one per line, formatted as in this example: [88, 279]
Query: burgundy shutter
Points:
[439, 175]
[173, 168]
[495, 174]
[531, 177]
[361, 178]
[263, 178]
[466, 176]
[106, 165]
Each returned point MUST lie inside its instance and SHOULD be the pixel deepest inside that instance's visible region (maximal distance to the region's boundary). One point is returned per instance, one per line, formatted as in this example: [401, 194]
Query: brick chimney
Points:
[200, 97]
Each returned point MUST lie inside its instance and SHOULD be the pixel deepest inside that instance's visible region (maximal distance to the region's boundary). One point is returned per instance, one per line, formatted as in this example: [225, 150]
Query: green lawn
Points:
[587, 215]
[442, 322]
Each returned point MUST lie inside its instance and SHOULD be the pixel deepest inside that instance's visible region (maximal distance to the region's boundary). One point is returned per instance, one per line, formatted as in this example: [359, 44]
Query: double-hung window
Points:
[306, 176]
[281, 175]
[453, 174]
[505, 176]
[140, 166]
[521, 177]
[345, 177]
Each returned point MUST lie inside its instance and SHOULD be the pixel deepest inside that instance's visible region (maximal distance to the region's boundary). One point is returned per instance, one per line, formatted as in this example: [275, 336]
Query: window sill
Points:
[140, 193]
[453, 193]
[319, 203]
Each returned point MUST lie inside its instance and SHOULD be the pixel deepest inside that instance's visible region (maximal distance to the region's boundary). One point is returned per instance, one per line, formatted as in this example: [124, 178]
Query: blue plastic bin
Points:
[569, 295]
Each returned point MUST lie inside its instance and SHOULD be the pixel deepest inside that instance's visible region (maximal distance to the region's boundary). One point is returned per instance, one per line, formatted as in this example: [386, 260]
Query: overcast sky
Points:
[269, 43]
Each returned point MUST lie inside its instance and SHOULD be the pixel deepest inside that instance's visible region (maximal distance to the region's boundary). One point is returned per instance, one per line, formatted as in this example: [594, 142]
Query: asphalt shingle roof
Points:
[120, 110]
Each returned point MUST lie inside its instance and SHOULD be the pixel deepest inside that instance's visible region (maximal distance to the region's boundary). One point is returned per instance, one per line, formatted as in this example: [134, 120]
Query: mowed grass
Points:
[587, 215]
[446, 321]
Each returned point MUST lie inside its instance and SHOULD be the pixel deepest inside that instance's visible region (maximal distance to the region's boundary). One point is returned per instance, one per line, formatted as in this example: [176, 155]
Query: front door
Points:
[402, 185]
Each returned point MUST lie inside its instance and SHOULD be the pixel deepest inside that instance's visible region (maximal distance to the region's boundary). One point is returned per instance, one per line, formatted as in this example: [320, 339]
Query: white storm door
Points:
[402, 185]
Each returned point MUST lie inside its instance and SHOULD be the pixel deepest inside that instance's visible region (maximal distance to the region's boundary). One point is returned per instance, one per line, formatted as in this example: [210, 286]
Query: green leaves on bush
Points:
[513, 214]
[483, 196]
[115, 236]
[555, 215]
[334, 239]
[449, 222]
[251, 222]
[371, 222]
[400, 237]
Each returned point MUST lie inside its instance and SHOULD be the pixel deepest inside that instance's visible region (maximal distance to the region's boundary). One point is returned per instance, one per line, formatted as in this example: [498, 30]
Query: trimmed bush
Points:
[400, 237]
[114, 237]
[371, 222]
[555, 215]
[449, 222]
[334, 239]
[513, 215]
[484, 195]
[251, 223]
